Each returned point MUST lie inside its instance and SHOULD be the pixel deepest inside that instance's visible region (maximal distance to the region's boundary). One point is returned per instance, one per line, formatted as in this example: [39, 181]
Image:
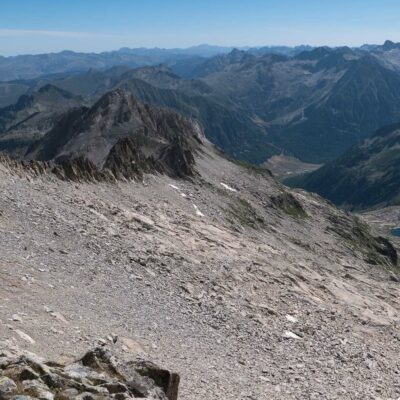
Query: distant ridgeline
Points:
[310, 103]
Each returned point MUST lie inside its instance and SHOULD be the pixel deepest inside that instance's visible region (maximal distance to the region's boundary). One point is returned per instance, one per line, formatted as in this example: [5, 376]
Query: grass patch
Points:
[242, 212]
[356, 234]
[287, 203]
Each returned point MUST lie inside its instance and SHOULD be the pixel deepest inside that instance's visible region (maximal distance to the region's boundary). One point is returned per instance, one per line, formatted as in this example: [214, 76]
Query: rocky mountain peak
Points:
[115, 98]
[314, 54]
[389, 45]
[124, 136]
[237, 55]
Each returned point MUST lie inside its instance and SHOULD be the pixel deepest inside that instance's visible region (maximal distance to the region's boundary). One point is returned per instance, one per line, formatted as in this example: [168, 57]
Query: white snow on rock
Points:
[291, 318]
[178, 190]
[231, 189]
[290, 335]
[198, 212]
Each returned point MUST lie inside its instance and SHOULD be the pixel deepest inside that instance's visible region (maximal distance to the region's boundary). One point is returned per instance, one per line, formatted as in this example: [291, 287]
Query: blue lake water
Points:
[395, 232]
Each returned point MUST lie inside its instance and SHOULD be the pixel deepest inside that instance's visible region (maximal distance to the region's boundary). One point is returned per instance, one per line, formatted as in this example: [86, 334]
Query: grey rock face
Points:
[97, 375]
[7, 387]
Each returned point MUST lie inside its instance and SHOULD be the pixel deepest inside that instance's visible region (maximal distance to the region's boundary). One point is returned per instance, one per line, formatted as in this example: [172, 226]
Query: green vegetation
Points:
[241, 211]
[287, 203]
[356, 234]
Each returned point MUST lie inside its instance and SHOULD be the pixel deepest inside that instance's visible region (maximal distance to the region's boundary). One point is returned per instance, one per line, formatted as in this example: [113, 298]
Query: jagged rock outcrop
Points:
[24, 168]
[127, 161]
[78, 169]
[178, 158]
[97, 375]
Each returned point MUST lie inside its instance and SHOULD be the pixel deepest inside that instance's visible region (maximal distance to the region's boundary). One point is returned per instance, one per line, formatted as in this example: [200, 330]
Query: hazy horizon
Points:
[35, 27]
[194, 46]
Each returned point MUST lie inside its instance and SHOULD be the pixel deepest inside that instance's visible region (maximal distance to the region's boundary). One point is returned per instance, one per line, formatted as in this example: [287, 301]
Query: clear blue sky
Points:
[35, 26]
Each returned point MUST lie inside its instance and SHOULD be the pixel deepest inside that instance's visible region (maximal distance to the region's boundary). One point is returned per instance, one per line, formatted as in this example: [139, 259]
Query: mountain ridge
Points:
[312, 106]
[17, 67]
[122, 135]
[364, 177]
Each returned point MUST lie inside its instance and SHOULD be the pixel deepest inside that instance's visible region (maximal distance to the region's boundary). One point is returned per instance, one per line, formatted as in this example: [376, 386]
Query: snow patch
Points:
[291, 318]
[290, 335]
[178, 190]
[198, 212]
[227, 187]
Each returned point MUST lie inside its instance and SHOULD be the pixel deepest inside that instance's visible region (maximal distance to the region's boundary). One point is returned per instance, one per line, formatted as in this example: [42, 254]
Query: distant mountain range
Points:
[234, 132]
[310, 103]
[30, 66]
[33, 66]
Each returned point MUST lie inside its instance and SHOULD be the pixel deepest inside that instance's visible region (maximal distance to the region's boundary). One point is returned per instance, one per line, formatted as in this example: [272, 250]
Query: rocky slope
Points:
[245, 288]
[366, 176]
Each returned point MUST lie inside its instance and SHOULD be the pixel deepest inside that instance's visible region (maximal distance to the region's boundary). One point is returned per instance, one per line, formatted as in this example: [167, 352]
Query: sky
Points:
[41, 26]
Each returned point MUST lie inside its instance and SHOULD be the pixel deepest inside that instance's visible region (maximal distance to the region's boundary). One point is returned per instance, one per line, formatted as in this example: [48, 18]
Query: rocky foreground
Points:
[98, 375]
[246, 289]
